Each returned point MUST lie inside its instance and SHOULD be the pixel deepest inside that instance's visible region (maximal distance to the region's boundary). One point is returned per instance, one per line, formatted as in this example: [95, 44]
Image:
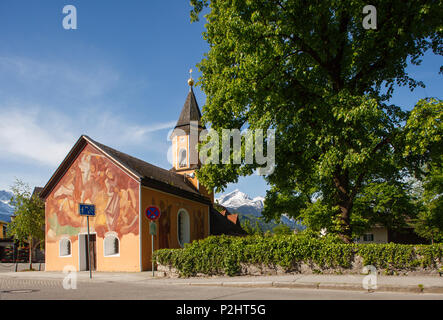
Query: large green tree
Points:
[27, 224]
[312, 72]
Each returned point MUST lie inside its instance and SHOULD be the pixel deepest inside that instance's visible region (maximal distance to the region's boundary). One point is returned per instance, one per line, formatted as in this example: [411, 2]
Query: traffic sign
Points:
[86, 209]
[152, 213]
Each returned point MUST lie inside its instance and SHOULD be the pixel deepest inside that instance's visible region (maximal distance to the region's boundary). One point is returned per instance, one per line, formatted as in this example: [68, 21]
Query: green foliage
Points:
[282, 229]
[318, 216]
[424, 145]
[29, 214]
[251, 226]
[429, 225]
[424, 130]
[311, 71]
[258, 225]
[390, 204]
[226, 255]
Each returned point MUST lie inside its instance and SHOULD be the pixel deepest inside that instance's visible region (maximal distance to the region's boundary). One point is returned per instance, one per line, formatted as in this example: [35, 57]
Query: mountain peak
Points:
[239, 202]
[5, 195]
[236, 199]
[6, 209]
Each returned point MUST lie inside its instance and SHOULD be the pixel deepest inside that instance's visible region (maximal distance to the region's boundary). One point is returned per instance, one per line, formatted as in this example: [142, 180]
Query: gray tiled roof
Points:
[37, 191]
[190, 112]
[146, 170]
[148, 174]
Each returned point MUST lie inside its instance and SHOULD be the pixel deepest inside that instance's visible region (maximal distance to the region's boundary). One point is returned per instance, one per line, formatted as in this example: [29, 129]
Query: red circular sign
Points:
[152, 213]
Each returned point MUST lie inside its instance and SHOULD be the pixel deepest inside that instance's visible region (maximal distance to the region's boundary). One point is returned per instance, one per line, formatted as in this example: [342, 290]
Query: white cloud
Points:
[24, 134]
[32, 134]
[46, 106]
[121, 132]
[62, 79]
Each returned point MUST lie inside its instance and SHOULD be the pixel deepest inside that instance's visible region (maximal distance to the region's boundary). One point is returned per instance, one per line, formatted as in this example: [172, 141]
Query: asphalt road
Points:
[52, 289]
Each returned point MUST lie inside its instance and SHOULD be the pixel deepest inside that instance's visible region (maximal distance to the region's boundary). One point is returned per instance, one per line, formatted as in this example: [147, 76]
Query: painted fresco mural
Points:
[199, 225]
[165, 225]
[94, 179]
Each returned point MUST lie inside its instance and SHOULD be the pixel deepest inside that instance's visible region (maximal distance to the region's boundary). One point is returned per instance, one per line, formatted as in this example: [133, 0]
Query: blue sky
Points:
[119, 78]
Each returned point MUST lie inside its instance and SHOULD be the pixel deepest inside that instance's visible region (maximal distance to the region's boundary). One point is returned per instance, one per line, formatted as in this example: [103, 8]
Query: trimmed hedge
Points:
[224, 254]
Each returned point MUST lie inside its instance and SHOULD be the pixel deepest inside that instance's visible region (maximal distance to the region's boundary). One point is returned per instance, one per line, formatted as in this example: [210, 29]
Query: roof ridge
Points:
[123, 153]
[168, 172]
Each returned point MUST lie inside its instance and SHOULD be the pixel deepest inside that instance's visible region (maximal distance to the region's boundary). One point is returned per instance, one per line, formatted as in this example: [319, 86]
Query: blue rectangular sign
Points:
[87, 209]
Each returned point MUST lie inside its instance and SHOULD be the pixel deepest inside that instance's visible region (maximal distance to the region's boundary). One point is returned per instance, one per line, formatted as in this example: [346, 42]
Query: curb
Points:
[293, 285]
[269, 284]
[324, 286]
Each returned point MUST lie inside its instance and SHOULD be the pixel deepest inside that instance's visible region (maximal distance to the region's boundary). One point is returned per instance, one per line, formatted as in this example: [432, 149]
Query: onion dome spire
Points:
[190, 80]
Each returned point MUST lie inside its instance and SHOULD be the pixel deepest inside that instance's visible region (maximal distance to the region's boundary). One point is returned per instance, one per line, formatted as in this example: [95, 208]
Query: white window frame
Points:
[188, 227]
[111, 235]
[60, 248]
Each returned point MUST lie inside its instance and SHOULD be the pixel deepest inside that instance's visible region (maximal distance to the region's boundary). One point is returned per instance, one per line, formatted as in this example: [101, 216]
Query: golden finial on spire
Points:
[190, 80]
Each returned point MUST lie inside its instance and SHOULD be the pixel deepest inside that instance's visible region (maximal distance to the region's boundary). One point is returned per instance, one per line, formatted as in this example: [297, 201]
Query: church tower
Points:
[185, 139]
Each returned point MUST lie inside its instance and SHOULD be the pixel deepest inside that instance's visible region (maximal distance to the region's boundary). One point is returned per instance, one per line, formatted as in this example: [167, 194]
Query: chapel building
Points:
[121, 188]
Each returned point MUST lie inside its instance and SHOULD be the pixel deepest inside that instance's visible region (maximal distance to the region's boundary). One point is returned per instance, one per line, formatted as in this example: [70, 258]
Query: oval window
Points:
[183, 227]
[182, 158]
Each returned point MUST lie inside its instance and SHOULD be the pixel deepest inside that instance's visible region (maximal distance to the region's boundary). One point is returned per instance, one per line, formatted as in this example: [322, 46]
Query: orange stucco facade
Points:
[167, 224]
[93, 178]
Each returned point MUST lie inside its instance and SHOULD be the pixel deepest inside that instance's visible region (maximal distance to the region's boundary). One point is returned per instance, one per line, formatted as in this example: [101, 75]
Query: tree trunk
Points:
[345, 203]
[345, 223]
[30, 253]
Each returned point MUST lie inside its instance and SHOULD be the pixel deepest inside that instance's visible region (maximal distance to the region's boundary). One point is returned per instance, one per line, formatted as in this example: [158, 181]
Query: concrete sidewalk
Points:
[411, 284]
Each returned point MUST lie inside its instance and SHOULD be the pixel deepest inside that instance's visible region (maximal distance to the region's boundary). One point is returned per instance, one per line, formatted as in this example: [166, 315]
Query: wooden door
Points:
[92, 252]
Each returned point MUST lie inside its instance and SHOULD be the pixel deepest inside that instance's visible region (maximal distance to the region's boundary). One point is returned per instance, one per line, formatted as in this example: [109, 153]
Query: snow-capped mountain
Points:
[6, 209]
[237, 199]
[239, 202]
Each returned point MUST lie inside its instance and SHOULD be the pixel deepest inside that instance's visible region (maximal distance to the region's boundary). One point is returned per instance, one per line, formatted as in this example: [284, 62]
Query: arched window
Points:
[111, 245]
[182, 158]
[65, 247]
[183, 227]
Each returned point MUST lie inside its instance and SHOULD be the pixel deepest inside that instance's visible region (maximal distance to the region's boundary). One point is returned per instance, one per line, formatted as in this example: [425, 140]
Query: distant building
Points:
[225, 222]
[36, 191]
[376, 234]
[381, 234]
[3, 229]
[5, 241]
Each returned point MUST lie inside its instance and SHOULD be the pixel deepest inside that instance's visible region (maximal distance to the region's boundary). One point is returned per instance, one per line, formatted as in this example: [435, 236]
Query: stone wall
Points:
[11, 267]
[307, 268]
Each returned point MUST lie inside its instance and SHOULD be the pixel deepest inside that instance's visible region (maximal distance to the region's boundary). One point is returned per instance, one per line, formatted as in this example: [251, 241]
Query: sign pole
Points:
[89, 254]
[87, 210]
[152, 213]
[152, 255]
